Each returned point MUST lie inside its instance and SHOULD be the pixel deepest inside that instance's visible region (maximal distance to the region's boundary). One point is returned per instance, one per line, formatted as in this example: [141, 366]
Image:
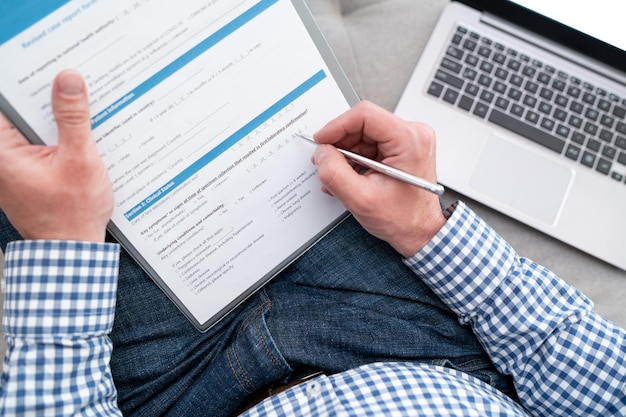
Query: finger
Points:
[337, 176]
[71, 111]
[365, 121]
[4, 123]
[9, 135]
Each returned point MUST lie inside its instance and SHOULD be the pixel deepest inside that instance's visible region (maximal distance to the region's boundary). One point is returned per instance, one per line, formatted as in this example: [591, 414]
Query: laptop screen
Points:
[601, 19]
[591, 27]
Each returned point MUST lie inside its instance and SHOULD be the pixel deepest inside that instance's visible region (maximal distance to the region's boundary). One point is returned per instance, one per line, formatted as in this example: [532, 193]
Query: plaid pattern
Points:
[391, 389]
[59, 308]
[566, 359]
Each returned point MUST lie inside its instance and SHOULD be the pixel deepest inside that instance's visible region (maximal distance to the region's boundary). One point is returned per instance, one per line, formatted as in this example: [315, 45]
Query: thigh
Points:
[351, 300]
[162, 365]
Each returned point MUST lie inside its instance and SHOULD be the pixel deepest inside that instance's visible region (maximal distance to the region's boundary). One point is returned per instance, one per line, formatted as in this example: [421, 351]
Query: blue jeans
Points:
[348, 301]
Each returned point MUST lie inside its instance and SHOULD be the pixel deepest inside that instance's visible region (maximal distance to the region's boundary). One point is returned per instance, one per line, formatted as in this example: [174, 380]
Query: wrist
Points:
[420, 234]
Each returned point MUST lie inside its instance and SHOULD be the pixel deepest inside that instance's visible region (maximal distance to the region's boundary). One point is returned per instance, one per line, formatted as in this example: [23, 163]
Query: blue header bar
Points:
[224, 146]
[18, 15]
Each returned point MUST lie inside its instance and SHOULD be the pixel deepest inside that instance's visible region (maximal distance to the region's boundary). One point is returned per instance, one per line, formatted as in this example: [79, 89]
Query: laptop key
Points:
[532, 117]
[449, 79]
[560, 114]
[466, 103]
[594, 145]
[499, 58]
[502, 103]
[572, 152]
[435, 89]
[455, 52]
[469, 74]
[591, 128]
[604, 105]
[470, 45]
[588, 159]
[609, 152]
[517, 110]
[484, 51]
[573, 92]
[544, 78]
[548, 124]
[529, 132]
[606, 135]
[604, 166]
[578, 138]
[545, 107]
[450, 95]
[563, 131]
[487, 96]
[472, 89]
[481, 110]
[531, 87]
[499, 87]
[592, 114]
[451, 65]
[472, 60]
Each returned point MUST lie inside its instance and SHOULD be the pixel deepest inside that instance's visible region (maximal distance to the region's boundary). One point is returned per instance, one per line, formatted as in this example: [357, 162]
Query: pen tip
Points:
[306, 138]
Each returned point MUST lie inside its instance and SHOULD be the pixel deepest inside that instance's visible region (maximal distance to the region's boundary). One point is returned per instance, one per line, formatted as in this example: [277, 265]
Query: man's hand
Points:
[58, 192]
[403, 215]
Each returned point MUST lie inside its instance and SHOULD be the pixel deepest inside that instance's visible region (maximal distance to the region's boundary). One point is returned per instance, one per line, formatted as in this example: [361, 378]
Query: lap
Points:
[349, 300]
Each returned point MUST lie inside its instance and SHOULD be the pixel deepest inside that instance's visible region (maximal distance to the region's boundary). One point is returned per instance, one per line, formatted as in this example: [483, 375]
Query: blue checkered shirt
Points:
[565, 359]
[58, 310]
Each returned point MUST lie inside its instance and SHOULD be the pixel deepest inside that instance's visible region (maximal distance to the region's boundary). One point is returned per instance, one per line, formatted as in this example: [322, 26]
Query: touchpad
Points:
[522, 179]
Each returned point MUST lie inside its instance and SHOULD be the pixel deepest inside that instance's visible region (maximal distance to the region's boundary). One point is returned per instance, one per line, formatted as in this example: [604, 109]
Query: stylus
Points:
[385, 169]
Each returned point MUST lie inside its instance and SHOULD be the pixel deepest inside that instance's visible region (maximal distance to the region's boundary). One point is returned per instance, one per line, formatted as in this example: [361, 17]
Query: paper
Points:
[194, 107]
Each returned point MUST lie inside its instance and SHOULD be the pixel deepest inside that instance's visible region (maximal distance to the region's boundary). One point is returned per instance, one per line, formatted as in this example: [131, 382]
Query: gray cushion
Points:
[377, 42]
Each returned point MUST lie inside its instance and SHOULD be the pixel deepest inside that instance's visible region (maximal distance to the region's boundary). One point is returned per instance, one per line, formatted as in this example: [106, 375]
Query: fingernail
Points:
[70, 84]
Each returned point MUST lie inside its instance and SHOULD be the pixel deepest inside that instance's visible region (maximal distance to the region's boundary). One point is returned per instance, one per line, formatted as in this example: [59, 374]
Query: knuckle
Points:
[71, 116]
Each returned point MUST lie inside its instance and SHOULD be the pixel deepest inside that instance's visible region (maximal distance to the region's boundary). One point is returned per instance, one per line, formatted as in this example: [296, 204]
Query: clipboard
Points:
[194, 109]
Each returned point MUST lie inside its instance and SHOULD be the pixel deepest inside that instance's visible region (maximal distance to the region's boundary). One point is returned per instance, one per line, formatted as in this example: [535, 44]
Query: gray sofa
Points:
[378, 43]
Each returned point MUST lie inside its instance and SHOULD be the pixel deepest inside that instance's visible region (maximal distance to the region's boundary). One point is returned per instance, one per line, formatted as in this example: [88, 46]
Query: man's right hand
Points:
[58, 192]
[403, 215]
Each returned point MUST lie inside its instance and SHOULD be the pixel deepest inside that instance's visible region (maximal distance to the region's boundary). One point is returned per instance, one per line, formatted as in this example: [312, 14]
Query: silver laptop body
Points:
[527, 125]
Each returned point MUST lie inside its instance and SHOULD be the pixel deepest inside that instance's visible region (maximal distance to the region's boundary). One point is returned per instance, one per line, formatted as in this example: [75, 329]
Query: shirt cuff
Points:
[465, 262]
[60, 288]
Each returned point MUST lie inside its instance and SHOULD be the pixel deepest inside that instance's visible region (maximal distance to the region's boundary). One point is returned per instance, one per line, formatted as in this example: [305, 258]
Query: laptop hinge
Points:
[552, 47]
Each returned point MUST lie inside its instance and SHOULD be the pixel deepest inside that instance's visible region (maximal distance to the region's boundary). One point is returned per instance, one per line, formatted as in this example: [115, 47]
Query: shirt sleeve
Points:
[58, 311]
[565, 359]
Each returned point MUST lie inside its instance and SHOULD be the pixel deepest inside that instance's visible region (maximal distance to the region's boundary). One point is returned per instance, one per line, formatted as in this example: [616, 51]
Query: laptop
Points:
[528, 99]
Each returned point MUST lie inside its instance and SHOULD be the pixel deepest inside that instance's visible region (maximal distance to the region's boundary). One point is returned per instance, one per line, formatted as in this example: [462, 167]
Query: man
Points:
[383, 331]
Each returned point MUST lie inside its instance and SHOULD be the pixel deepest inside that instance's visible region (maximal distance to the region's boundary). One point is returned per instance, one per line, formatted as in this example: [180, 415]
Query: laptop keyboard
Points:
[511, 89]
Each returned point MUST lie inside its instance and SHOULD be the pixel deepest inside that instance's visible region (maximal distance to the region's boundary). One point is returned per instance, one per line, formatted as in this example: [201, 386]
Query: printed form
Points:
[194, 108]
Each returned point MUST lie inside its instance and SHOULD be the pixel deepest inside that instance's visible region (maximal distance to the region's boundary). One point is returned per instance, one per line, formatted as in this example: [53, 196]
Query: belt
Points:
[274, 389]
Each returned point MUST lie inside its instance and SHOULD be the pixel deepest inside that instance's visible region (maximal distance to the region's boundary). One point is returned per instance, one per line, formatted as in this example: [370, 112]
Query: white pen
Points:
[385, 169]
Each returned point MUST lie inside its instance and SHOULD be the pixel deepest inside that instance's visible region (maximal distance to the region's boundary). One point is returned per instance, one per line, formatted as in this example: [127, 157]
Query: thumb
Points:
[71, 111]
